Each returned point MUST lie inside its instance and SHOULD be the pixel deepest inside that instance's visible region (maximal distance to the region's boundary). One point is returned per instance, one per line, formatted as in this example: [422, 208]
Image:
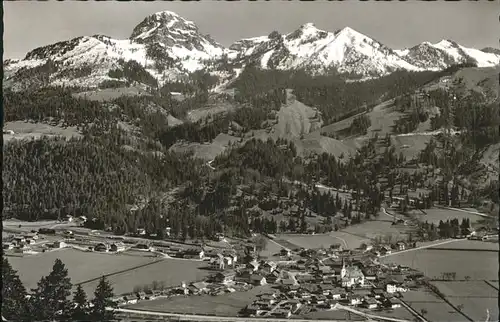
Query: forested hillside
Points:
[122, 174]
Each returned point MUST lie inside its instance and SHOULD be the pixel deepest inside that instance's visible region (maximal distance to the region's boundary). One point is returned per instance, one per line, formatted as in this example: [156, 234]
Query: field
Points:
[471, 245]
[26, 130]
[477, 308]
[109, 94]
[434, 215]
[466, 289]
[272, 248]
[380, 227]
[475, 296]
[223, 305]
[477, 265]
[438, 311]
[410, 145]
[322, 240]
[169, 271]
[207, 151]
[82, 266]
[340, 315]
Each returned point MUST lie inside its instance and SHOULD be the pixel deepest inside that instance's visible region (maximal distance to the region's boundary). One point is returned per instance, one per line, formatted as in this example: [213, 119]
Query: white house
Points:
[253, 265]
[392, 288]
[59, 244]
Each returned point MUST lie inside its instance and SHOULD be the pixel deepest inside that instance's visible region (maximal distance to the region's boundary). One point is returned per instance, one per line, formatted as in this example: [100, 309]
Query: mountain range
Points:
[169, 47]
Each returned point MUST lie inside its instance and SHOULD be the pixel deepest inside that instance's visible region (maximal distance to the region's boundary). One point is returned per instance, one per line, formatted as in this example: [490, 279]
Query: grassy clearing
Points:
[207, 151]
[434, 215]
[421, 295]
[315, 143]
[169, 271]
[410, 145]
[223, 305]
[109, 94]
[340, 315]
[380, 227]
[477, 265]
[272, 248]
[438, 311]
[477, 308]
[472, 245]
[81, 266]
[322, 240]
[466, 289]
[26, 130]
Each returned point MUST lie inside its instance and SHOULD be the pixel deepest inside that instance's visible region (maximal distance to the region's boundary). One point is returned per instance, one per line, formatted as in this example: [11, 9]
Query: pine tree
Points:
[14, 303]
[103, 299]
[50, 298]
[80, 311]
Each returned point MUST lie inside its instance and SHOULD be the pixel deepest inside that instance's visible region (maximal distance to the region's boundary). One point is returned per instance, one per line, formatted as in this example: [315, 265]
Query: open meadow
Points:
[321, 240]
[380, 227]
[476, 265]
[438, 312]
[223, 305]
[470, 245]
[434, 215]
[340, 315]
[169, 272]
[434, 307]
[82, 266]
[27, 130]
[477, 298]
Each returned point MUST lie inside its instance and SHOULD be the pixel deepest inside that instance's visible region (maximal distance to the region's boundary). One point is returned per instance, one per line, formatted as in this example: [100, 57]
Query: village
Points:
[293, 282]
[302, 281]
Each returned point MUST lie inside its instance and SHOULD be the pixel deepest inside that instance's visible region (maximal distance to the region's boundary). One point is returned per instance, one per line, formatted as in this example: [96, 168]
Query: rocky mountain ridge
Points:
[169, 47]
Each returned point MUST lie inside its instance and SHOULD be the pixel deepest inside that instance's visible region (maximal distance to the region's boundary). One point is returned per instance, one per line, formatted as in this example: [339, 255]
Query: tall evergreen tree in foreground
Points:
[80, 309]
[50, 298]
[14, 303]
[103, 299]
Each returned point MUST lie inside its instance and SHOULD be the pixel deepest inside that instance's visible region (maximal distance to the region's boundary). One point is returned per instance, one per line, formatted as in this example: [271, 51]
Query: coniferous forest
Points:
[107, 171]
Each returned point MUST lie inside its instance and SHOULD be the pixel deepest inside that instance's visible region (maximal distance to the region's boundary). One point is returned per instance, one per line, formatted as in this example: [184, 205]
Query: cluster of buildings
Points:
[319, 280]
[29, 243]
[20, 243]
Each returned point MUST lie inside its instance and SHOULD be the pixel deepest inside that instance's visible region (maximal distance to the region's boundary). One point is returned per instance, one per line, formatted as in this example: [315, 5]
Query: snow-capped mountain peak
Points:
[162, 22]
[168, 46]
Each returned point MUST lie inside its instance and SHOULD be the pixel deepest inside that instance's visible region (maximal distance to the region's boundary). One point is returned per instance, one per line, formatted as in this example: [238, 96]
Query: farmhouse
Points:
[393, 303]
[253, 265]
[101, 247]
[8, 246]
[400, 246]
[59, 244]
[224, 277]
[198, 287]
[273, 277]
[370, 303]
[268, 267]
[217, 263]
[253, 309]
[281, 313]
[285, 252]
[384, 250]
[257, 279]
[117, 247]
[393, 288]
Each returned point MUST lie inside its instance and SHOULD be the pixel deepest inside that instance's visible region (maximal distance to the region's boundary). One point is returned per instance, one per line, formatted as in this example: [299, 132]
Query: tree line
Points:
[49, 301]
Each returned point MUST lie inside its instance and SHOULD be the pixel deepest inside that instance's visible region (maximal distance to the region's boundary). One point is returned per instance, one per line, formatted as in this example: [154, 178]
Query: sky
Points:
[31, 24]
